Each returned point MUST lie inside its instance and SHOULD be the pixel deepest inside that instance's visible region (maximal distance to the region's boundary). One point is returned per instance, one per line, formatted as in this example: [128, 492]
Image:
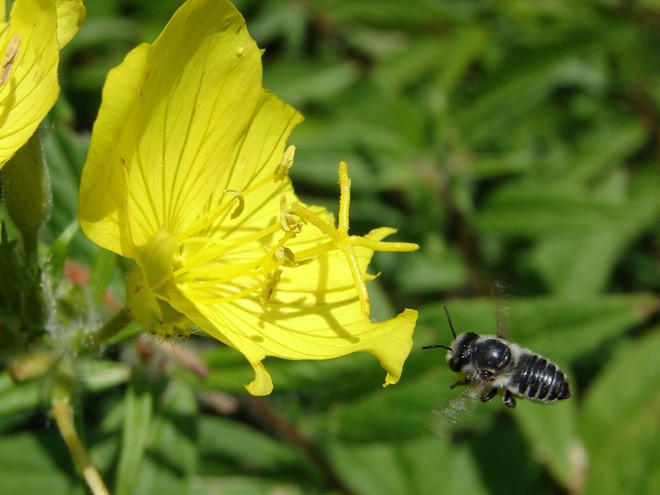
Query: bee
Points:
[493, 363]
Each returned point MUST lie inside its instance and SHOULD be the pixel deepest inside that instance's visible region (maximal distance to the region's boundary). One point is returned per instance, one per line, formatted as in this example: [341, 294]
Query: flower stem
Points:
[61, 409]
[64, 419]
[111, 328]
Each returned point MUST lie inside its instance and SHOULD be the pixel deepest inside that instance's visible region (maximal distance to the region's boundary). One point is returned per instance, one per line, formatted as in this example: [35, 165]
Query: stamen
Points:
[285, 257]
[271, 283]
[224, 272]
[213, 249]
[339, 238]
[288, 221]
[280, 173]
[212, 215]
[241, 203]
[383, 246]
[282, 170]
[341, 241]
[344, 198]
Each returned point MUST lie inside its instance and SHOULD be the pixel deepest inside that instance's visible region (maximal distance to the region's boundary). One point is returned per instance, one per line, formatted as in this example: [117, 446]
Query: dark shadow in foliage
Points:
[51, 441]
[505, 459]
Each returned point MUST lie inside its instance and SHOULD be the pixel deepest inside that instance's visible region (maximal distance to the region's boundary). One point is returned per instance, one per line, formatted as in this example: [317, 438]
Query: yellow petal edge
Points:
[70, 15]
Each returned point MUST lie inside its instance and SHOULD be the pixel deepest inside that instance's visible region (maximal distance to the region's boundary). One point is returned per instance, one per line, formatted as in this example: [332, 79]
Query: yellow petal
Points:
[256, 157]
[314, 314]
[172, 127]
[323, 332]
[28, 77]
[70, 15]
[102, 200]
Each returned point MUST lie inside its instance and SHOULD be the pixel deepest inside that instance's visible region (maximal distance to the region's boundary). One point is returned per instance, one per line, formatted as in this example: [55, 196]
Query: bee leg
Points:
[509, 399]
[489, 395]
[462, 381]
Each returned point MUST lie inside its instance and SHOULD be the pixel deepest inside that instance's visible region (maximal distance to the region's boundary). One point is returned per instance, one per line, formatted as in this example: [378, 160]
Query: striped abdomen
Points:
[538, 379]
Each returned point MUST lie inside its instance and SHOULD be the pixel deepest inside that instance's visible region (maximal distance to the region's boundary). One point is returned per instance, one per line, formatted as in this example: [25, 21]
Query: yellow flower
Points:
[187, 175]
[29, 48]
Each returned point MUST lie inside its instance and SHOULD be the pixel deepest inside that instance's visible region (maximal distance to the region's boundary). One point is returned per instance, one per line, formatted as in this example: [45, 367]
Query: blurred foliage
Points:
[514, 141]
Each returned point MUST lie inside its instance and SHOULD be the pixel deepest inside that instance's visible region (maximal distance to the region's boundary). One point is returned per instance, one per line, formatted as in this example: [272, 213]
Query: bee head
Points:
[461, 350]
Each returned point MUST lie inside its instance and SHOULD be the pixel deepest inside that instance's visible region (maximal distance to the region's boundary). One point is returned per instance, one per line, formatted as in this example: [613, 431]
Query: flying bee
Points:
[492, 363]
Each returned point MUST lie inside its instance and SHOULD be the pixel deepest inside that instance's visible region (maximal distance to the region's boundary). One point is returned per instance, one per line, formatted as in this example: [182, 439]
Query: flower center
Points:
[217, 267]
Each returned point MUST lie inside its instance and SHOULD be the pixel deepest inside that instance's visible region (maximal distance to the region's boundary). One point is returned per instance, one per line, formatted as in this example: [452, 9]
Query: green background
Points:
[515, 141]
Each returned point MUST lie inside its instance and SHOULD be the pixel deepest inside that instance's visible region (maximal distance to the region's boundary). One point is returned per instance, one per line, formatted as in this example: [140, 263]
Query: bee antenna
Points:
[435, 346]
[451, 327]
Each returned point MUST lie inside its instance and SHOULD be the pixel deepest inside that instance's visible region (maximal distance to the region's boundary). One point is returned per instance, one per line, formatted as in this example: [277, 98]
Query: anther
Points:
[282, 170]
[289, 220]
[271, 283]
[241, 203]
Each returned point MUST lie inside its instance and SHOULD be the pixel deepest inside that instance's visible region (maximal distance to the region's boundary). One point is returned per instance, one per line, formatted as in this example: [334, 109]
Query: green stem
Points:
[34, 306]
[111, 328]
[62, 412]
[64, 419]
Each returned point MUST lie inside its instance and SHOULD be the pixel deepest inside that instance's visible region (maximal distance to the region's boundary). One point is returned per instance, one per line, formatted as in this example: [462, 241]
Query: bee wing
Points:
[500, 294]
[455, 412]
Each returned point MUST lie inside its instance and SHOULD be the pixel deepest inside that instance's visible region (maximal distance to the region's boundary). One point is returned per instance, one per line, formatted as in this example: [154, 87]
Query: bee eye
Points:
[461, 353]
[492, 354]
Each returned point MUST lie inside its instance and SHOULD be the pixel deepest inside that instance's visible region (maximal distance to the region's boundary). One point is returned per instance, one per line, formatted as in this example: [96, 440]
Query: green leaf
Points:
[60, 249]
[400, 412]
[579, 264]
[437, 268]
[516, 89]
[37, 463]
[412, 14]
[173, 442]
[425, 465]
[228, 448]
[97, 376]
[243, 485]
[298, 83]
[18, 399]
[555, 442]
[135, 433]
[543, 209]
[171, 450]
[102, 272]
[619, 421]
